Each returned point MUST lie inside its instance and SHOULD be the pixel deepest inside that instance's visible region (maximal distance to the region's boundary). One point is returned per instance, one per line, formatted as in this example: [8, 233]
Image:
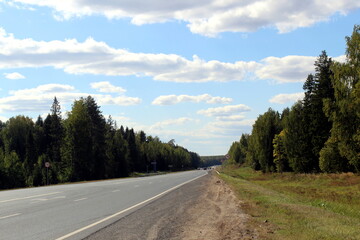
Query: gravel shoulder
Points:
[203, 209]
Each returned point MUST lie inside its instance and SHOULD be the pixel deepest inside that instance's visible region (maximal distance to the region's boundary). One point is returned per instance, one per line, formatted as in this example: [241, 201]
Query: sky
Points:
[199, 72]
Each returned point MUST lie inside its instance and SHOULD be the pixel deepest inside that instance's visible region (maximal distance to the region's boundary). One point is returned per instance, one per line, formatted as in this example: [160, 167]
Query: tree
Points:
[261, 142]
[77, 149]
[55, 132]
[296, 141]
[238, 150]
[344, 110]
[319, 127]
[331, 159]
[19, 140]
[116, 152]
[97, 136]
[280, 157]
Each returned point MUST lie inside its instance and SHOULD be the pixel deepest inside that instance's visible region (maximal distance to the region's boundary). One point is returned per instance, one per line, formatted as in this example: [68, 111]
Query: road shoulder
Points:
[203, 209]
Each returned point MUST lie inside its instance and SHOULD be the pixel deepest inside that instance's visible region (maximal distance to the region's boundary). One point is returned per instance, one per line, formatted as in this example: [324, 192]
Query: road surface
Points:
[75, 211]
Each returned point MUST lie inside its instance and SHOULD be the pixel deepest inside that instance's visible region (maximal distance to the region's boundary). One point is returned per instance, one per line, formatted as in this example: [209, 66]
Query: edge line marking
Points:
[13, 215]
[125, 210]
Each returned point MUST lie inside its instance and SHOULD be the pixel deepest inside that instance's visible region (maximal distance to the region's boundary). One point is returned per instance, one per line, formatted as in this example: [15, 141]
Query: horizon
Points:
[199, 73]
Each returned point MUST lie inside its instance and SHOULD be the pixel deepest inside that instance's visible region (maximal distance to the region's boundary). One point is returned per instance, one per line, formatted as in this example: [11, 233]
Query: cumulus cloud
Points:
[286, 69]
[14, 76]
[341, 58]
[287, 98]
[175, 99]
[92, 57]
[40, 98]
[206, 17]
[122, 100]
[107, 87]
[224, 111]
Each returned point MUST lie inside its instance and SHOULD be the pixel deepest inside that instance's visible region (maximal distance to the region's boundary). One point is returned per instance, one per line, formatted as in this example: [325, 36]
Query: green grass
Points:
[299, 206]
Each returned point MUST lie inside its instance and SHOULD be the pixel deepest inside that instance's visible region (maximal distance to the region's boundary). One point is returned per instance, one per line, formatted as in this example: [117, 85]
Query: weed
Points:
[300, 206]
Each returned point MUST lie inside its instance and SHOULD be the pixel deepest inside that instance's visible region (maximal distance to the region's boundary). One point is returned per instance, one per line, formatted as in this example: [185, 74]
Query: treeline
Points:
[321, 133]
[207, 161]
[84, 146]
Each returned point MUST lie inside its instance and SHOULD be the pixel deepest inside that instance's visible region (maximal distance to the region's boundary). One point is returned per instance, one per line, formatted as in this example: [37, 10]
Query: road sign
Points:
[47, 164]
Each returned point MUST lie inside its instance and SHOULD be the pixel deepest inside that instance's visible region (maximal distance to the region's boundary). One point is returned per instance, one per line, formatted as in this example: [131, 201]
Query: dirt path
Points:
[216, 215]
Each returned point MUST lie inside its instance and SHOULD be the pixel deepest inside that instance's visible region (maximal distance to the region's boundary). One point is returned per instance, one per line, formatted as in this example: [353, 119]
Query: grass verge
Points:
[299, 206]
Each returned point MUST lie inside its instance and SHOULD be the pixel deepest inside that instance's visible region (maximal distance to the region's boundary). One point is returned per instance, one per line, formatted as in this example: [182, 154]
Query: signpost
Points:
[47, 165]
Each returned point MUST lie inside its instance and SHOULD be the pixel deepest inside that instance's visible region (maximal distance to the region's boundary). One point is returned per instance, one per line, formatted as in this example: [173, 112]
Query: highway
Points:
[74, 211]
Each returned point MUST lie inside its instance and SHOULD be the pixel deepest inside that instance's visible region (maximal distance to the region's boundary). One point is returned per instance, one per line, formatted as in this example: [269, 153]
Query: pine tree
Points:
[98, 132]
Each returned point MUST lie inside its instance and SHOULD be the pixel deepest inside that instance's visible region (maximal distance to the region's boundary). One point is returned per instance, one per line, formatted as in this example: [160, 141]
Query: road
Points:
[75, 211]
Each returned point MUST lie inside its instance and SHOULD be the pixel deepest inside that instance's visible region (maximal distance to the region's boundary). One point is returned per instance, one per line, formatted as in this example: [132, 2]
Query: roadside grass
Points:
[299, 206]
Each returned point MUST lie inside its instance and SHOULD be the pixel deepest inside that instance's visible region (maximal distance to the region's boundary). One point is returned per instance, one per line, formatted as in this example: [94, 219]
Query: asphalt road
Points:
[75, 211]
[162, 219]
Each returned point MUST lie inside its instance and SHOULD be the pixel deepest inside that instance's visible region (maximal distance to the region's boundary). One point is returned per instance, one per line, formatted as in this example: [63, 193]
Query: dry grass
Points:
[300, 206]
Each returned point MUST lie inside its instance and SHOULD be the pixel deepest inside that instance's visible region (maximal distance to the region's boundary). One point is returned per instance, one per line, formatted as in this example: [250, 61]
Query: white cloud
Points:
[287, 98]
[231, 118]
[206, 17]
[226, 128]
[14, 76]
[341, 58]
[169, 122]
[107, 87]
[175, 99]
[286, 69]
[122, 100]
[225, 111]
[39, 99]
[92, 57]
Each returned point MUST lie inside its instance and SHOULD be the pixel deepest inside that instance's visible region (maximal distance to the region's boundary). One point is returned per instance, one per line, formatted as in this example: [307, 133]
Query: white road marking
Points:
[80, 199]
[13, 215]
[39, 199]
[125, 210]
[136, 186]
[137, 180]
[59, 197]
[16, 199]
[117, 190]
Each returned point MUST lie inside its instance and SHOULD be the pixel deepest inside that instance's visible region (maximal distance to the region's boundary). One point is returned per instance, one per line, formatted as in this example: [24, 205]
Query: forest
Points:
[84, 146]
[320, 133]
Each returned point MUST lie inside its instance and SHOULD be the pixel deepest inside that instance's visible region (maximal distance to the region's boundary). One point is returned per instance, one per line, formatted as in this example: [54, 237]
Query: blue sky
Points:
[199, 72]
